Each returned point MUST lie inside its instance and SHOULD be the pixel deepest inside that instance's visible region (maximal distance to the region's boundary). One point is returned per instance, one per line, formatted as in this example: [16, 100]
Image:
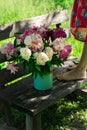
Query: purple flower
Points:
[45, 32]
[58, 33]
[27, 32]
[30, 31]
[65, 52]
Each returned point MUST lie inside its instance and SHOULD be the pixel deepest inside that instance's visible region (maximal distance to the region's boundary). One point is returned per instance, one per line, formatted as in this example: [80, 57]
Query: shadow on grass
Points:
[66, 114]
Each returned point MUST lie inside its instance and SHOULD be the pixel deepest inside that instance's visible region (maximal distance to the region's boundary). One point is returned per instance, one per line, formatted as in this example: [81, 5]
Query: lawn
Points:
[66, 114]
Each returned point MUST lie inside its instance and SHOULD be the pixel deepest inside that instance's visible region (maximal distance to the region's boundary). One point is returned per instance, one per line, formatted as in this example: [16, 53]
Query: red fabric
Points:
[78, 22]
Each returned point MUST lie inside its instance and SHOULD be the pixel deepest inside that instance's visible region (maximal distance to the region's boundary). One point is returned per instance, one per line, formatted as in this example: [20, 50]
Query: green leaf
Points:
[37, 67]
[15, 43]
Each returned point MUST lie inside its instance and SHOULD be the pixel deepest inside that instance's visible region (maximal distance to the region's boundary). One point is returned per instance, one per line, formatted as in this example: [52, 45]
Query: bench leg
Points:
[9, 118]
[5, 109]
[33, 123]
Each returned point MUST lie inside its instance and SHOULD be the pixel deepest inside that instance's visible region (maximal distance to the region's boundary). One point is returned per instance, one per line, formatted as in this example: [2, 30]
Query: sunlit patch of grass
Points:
[6, 41]
[85, 85]
[66, 115]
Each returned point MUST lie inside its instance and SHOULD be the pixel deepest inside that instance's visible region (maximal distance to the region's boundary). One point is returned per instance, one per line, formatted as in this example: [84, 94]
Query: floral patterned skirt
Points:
[78, 22]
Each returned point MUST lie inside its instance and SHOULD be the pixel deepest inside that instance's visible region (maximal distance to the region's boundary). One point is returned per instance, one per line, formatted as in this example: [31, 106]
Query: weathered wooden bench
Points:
[21, 94]
[5, 127]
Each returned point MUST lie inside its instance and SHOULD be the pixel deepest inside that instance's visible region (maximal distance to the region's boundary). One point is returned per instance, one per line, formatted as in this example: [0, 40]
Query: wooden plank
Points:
[29, 122]
[7, 112]
[6, 76]
[23, 96]
[5, 127]
[8, 30]
[2, 58]
[33, 123]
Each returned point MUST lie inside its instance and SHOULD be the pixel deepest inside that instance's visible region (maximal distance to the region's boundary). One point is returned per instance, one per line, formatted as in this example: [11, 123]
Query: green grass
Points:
[15, 10]
[65, 114]
[77, 47]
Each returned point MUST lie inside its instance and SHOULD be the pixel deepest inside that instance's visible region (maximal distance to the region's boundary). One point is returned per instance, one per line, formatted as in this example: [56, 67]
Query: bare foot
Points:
[74, 74]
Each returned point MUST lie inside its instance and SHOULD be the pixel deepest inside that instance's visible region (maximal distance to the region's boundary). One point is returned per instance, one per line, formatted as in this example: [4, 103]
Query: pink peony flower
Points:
[43, 31]
[65, 52]
[34, 42]
[58, 45]
[12, 68]
[21, 37]
[8, 50]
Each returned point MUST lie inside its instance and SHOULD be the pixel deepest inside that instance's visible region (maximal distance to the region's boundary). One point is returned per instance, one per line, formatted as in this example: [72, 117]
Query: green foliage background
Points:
[14, 10]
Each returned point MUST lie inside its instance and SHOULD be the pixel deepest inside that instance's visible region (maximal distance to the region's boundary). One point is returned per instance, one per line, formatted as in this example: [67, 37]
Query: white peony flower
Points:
[18, 41]
[42, 58]
[28, 40]
[58, 45]
[25, 53]
[49, 52]
[34, 42]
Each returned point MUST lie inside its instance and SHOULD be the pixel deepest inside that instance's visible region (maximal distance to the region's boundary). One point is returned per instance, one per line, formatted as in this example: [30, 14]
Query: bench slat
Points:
[8, 30]
[6, 76]
[2, 58]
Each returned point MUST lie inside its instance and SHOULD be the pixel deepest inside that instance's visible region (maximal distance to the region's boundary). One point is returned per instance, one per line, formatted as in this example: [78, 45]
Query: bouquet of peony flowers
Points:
[38, 48]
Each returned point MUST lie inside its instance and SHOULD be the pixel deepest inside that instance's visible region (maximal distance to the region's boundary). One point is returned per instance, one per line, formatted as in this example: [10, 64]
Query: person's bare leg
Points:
[79, 72]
